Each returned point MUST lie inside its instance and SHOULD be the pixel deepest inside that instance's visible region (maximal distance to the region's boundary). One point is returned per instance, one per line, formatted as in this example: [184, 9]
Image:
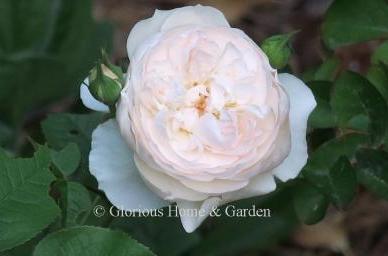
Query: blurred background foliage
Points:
[47, 48]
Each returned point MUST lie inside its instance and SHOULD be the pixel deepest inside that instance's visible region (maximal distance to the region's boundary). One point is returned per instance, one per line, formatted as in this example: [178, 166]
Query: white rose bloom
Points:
[203, 119]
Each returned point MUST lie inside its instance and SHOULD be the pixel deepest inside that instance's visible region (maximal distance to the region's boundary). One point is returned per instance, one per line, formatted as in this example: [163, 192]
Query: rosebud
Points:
[106, 81]
[113, 68]
[278, 49]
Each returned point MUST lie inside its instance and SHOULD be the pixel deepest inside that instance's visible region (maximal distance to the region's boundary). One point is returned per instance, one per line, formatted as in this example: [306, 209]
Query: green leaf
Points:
[323, 115]
[308, 74]
[67, 159]
[378, 76]
[325, 166]
[25, 249]
[372, 171]
[230, 236]
[25, 206]
[353, 21]
[328, 70]
[355, 97]
[60, 129]
[90, 219]
[309, 203]
[343, 182]
[90, 241]
[328, 153]
[278, 50]
[164, 235]
[381, 54]
[74, 201]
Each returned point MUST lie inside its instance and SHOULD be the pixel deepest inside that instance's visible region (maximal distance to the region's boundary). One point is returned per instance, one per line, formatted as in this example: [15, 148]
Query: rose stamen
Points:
[184, 131]
[201, 104]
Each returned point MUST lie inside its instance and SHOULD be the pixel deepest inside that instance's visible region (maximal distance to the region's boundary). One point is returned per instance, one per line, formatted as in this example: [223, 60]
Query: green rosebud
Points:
[106, 81]
[278, 49]
[113, 68]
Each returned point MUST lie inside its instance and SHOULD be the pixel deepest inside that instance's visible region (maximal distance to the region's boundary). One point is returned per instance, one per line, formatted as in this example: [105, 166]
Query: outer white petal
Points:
[111, 162]
[302, 103]
[195, 15]
[165, 20]
[144, 29]
[89, 101]
[190, 222]
[261, 184]
[166, 186]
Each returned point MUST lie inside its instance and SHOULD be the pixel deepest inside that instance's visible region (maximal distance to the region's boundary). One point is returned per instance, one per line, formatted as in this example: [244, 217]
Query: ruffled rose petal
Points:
[112, 163]
[204, 208]
[166, 186]
[165, 20]
[261, 184]
[215, 186]
[216, 157]
[89, 101]
[302, 103]
[122, 116]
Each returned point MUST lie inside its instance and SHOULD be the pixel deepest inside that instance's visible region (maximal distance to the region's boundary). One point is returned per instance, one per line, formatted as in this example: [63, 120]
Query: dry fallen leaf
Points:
[329, 233]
